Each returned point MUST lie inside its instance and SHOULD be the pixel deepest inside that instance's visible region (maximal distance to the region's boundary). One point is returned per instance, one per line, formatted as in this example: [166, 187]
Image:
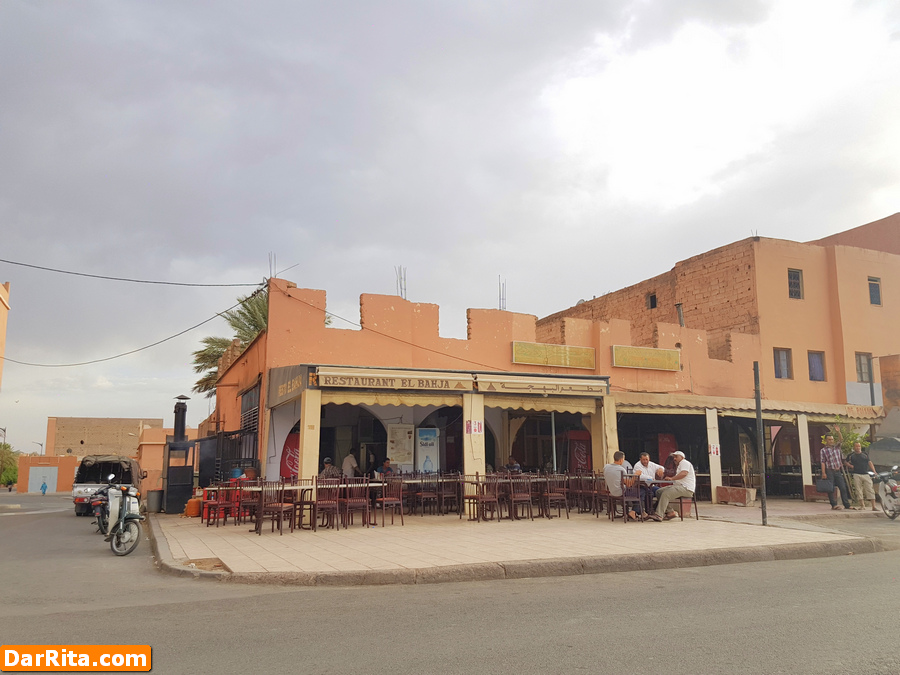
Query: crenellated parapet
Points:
[398, 333]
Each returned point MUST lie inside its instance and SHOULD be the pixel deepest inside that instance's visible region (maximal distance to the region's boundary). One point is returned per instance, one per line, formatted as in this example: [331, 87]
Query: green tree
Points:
[247, 321]
[847, 434]
[9, 464]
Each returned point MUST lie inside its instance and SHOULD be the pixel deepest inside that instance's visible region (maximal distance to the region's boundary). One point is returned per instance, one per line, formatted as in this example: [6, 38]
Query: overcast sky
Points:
[571, 148]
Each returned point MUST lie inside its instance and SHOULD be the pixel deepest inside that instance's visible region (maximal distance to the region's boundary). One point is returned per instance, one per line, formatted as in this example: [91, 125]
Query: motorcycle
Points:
[124, 532]
[887, 491]
[100, 507]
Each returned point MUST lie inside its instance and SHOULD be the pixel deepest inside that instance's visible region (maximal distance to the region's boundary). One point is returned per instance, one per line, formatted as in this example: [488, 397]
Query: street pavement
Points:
[819, 616]
[438, 548]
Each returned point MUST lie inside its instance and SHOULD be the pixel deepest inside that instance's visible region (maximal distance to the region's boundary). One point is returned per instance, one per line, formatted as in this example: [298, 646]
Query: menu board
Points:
[401, 444]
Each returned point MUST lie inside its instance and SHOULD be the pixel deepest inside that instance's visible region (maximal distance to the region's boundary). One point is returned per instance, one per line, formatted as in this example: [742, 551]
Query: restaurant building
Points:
[664, 364]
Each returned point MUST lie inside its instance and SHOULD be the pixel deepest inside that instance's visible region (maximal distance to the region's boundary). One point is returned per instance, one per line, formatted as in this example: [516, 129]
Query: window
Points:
[651, 300]
[863, 367]
[874, 291]
[783, 367]
[795, 284]
[816, 366]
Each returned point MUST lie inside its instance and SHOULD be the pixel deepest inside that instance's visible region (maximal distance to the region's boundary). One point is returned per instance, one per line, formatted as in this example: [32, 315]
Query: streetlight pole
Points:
[40, 444]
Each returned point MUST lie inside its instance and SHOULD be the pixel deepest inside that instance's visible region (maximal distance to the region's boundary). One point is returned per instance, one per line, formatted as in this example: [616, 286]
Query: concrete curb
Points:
[166, 563]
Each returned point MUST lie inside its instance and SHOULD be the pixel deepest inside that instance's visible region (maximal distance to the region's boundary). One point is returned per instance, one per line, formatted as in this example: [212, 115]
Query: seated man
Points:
[613, 473]
[683, 484]
[385, 469]
[512, 465]
[648, 471]
[330, 470]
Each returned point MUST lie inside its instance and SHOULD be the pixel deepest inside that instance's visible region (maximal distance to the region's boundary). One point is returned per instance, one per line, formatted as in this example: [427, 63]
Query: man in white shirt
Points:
[349, 467]
[683, 484]
[647, 471]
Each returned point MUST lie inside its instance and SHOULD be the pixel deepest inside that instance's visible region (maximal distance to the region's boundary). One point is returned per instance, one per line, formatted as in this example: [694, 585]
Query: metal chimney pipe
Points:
[180, 418]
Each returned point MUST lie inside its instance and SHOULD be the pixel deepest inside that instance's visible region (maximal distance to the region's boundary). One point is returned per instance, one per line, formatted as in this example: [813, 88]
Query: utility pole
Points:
[760, 443]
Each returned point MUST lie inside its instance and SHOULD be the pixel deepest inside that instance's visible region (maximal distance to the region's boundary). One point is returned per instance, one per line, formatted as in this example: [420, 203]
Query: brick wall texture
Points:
[717, 292]
[99, 436]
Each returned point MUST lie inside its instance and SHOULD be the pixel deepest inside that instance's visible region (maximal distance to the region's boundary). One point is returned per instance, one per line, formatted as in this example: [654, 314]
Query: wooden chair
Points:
[693, 500]
[355, 498]
[426, 492]
[247, 501]
[224, 505]
[480, 495]
[631, 494]
[448, 493]
[519, 497]
[326, 502]
[274, 507]
[555, 493]
[391, 498]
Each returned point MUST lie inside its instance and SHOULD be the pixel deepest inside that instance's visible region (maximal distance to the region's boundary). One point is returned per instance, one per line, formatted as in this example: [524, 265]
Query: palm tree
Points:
[247, 321]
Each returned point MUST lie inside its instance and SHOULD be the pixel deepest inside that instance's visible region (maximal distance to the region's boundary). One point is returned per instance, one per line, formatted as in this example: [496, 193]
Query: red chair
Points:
[224, 505]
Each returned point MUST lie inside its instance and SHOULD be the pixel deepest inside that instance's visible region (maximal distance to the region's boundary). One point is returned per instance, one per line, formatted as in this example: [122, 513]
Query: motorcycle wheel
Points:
[891, 510]
[102, 524]
[126, 540]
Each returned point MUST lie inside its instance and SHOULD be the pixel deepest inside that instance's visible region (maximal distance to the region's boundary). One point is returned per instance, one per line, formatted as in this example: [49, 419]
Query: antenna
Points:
[272, 266]
[502, 288]
[401, 281]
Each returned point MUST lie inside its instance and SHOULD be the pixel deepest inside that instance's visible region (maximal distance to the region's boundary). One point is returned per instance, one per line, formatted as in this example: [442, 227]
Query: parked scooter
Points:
[887, 491]
[100, 507]
[124, 518]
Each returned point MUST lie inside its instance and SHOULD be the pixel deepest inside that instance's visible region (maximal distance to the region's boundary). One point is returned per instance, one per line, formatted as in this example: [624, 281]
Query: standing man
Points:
[832, 461]
[683, 484]
[44, 488]
[859, 464]
[349, 467]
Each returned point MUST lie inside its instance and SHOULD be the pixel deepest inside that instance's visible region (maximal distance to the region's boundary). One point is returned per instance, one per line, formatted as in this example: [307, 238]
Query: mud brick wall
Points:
[717, 291]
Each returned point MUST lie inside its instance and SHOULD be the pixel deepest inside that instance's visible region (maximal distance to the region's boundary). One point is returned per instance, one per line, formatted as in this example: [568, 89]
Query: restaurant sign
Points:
[646, 357]
[563, 356]
[369, 378]
[285, 384]
[542, 386]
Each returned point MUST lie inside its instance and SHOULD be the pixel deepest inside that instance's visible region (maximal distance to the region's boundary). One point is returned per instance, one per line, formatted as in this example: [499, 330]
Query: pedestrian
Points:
[44, 488]
[832, 460]
[860, 465]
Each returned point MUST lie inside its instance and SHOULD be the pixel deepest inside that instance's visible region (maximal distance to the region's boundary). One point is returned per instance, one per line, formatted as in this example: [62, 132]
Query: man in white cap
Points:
[683, 483]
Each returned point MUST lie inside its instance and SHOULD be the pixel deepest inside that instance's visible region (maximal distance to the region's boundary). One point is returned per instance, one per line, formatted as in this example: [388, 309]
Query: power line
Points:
[133, 281]
[133, 351]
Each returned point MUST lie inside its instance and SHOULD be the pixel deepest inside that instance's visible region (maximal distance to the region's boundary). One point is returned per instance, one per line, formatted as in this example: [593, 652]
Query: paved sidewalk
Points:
[445, 548]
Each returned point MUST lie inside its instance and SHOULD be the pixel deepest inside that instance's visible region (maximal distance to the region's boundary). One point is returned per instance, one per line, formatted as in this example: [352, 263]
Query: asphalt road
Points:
[62, 585]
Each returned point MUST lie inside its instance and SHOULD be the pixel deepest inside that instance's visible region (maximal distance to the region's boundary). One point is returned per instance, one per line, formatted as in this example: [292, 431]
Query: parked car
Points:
[92, 475]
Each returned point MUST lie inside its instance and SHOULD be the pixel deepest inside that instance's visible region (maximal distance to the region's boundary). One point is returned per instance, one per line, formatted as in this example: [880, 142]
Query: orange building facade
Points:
[664, 364]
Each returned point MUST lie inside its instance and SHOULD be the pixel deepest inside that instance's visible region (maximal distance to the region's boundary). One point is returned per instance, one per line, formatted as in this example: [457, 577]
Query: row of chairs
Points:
[485, 497]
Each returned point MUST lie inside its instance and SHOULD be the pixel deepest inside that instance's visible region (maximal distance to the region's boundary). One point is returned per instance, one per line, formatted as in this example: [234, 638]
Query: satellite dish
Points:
[580, 302]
